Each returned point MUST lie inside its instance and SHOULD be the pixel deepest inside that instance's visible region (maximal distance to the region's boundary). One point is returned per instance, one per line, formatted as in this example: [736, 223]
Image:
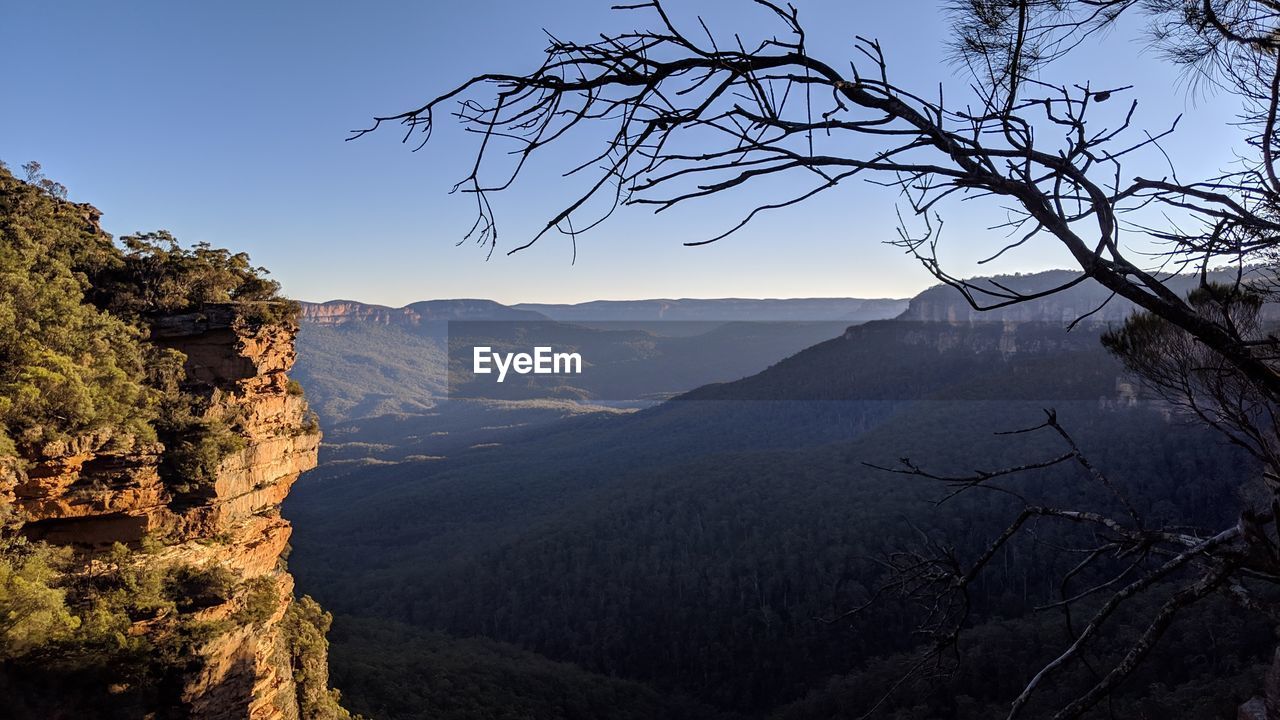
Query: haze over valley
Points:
[379, 376]
[692, 545]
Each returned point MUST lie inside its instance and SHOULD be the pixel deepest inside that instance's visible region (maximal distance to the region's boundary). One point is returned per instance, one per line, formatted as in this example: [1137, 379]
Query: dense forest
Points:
[402, 671]
[708, 547]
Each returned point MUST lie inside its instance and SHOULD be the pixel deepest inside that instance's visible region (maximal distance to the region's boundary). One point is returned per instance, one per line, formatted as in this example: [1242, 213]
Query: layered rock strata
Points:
[90, 495]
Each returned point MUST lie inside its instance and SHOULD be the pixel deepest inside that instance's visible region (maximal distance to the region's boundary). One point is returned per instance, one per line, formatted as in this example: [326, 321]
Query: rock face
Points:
[340, 312]
[944, 304]
[89, 495]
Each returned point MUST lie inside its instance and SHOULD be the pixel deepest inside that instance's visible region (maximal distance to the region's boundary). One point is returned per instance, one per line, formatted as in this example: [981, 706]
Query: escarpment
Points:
[148, 434]
[215, 543]
[340, 312]
[90, 496]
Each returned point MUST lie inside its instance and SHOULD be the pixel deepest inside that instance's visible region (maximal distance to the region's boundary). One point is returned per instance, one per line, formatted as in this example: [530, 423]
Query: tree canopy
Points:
[74, 313]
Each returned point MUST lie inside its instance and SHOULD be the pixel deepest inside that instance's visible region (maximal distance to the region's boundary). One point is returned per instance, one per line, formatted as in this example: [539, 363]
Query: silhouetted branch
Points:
[689, 116]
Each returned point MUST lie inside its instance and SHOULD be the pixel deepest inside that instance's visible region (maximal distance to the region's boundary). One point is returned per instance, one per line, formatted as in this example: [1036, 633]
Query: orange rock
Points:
[83, 494]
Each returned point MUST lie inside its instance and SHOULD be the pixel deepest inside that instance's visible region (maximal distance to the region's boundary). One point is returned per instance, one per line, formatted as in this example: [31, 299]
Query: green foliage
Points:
[196, 440]
[1153, 347]
[66, 367]
[261, 598]
[33, 613]
[77, 619]
[52, 617]
[196, 448]
[195, 588]
[74, 359]
[310, 424]
[35, 176]
[159, 276]
[305, 625]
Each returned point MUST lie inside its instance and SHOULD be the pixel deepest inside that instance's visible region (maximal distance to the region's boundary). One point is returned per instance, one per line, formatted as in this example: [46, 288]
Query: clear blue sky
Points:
[226, 122]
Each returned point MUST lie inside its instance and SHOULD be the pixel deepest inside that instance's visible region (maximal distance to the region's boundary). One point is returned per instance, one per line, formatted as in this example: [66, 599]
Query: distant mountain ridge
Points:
[942, 303]
[939, 303]
[337, 312]
[724, 309]
[378, 376]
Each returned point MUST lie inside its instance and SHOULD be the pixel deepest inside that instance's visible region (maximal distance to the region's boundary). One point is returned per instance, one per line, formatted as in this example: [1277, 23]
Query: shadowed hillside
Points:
[693, 546]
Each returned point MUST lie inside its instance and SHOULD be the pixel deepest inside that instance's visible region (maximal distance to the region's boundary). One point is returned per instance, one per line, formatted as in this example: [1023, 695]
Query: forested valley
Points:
[711, 548]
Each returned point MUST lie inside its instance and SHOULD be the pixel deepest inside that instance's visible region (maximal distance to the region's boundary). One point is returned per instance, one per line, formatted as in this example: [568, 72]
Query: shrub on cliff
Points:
[84, 619]
[32, 611]
[305, 625]
[261, 600]
[158, 276]
[196, 588]
[73, 620]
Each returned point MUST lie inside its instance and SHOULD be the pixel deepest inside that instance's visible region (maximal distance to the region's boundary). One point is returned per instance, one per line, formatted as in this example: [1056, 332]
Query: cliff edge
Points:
[86, 496]
[148, 434]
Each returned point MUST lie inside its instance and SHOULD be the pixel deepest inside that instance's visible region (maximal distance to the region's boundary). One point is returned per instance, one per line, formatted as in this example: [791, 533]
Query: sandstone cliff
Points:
[90, 495]
[340, 312]
[426, 312]
[1088, 299]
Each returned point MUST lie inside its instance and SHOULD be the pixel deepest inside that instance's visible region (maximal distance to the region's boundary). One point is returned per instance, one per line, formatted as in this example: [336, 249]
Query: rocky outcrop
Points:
[96, 491]
[944, 304]
[1089, 300]
[339, 312]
